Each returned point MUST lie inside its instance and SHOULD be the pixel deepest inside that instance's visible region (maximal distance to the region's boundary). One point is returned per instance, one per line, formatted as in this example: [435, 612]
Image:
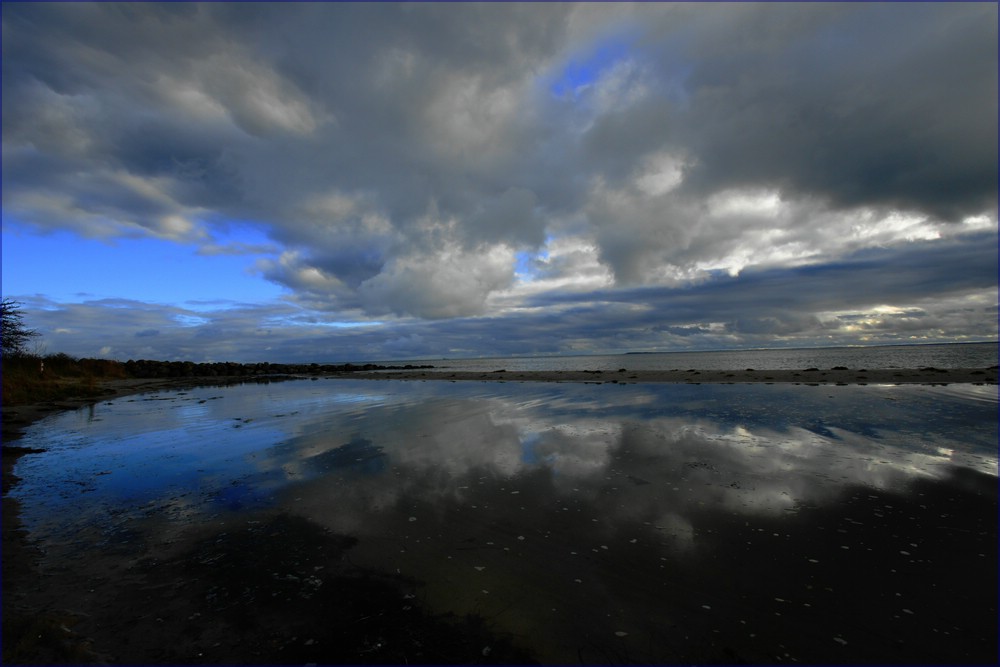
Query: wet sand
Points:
[201, 609]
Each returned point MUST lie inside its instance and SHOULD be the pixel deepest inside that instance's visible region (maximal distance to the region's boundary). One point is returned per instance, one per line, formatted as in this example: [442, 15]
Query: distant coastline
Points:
[900, 356]
[819, 347]
[812, 376]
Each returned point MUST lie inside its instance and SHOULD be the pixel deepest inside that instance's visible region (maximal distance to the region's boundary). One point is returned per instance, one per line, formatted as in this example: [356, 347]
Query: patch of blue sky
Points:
[68, 268]
[341, 324]
[671, 67]
[525, 266]
[523, 263]
[586, 68]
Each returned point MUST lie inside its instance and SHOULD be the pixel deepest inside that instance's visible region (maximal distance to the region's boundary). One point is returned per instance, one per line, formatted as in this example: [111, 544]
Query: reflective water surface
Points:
[589, 523]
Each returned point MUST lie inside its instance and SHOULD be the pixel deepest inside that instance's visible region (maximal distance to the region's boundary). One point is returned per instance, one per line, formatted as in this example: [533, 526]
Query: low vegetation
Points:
[31, 378]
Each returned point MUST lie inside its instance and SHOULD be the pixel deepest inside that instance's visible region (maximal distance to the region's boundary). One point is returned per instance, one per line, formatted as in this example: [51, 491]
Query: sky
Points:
[322, 182]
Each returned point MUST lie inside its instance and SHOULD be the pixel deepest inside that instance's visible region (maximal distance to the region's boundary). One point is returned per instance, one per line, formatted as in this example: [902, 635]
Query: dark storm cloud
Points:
[400, 156]
[885, 104]
[865, 104]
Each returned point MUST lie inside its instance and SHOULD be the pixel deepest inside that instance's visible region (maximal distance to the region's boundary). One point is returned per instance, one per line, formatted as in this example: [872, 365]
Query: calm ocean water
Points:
[963, 355]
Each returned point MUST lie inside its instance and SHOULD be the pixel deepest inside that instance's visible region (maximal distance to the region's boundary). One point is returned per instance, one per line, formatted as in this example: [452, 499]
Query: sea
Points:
[948, 355]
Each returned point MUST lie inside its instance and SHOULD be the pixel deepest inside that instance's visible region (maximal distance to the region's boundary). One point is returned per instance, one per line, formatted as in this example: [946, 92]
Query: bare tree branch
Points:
[14, 334]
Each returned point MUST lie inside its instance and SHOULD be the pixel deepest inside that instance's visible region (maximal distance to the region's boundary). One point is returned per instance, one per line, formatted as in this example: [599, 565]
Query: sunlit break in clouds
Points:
[370, 181]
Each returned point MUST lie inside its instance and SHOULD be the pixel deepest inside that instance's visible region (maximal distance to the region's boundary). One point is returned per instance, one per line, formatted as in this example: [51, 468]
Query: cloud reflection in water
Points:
[707, 442]
[563, 510]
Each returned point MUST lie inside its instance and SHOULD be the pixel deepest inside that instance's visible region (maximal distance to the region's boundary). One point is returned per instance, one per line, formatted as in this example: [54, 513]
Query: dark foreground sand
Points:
[39, 617]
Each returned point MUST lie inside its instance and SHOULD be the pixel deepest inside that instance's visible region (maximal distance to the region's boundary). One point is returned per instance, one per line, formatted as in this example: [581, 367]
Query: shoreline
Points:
[810, 376]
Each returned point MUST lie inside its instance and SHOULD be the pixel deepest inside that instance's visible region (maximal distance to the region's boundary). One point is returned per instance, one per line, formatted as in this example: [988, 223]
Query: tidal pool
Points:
[560, 523]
